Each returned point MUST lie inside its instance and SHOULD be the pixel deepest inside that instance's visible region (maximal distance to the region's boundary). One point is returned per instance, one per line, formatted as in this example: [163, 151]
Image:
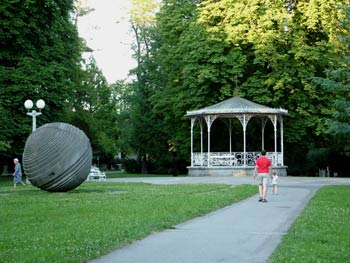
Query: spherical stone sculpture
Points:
[57, 157]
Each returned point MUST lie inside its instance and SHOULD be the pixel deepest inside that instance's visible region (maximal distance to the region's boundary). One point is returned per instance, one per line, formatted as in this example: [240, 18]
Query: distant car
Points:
[96, 175]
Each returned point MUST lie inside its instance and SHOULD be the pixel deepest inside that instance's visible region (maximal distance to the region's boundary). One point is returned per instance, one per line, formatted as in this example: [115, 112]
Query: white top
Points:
[274, 179]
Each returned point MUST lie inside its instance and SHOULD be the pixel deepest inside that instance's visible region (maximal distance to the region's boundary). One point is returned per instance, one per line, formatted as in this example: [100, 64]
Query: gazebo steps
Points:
[230, 171]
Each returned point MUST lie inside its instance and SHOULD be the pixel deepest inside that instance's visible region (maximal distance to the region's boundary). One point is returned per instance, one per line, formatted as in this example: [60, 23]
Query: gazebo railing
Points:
[227, 159]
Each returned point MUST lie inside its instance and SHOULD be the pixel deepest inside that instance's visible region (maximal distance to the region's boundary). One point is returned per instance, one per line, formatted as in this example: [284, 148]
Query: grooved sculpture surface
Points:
[57, 157]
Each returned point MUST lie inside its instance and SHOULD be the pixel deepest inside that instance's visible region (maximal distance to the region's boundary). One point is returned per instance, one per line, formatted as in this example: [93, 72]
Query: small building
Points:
[231, 162]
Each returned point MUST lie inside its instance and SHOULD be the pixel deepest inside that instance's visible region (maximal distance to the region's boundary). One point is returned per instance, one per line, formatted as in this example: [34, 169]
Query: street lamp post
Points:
[40, 104]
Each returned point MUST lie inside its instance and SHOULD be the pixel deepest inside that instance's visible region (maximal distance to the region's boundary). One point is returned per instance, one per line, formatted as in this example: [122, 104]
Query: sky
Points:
[107, 31]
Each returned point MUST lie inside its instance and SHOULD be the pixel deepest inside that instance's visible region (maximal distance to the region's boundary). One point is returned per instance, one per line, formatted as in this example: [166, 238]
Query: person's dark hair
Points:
[263, 152]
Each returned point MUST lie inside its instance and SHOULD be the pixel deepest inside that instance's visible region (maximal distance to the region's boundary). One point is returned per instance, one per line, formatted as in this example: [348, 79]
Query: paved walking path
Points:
[247, 231]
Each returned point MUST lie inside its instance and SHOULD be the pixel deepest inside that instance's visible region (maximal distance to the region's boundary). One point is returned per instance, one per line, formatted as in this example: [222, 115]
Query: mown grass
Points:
[322, 232]
[127, 175]
[7, 180]
[37, 226]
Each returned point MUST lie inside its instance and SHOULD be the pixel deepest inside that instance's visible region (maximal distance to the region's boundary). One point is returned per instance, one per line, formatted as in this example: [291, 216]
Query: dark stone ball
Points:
[57, 157]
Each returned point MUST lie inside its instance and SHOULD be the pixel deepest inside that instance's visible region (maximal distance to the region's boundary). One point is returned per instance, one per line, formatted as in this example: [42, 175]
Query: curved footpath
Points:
[247, 231]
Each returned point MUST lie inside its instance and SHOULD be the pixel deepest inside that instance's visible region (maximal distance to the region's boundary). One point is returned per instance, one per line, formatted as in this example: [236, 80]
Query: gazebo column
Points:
[275, 128]
[192, 125]
[229, 127]
[264, 121]
[209, 119]
[201, 126]
[274, 122]
[244, 121]
[244, 141]
[282, 146]
[230, 131]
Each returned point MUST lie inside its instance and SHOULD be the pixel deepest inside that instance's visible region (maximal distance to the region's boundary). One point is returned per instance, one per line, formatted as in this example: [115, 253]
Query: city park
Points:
[208, 96]
[96, 217]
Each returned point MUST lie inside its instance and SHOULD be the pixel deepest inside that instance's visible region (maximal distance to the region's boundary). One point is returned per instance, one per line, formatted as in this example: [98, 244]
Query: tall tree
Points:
[145, 130]
[94, 111]
[4, 143]
[196, 69]
[39, 58]
[81, 9]
[266, 51]
[288, 43]
[337, 82]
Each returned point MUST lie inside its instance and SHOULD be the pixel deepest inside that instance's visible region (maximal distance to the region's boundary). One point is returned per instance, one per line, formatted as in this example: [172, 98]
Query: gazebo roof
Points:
[235, 106]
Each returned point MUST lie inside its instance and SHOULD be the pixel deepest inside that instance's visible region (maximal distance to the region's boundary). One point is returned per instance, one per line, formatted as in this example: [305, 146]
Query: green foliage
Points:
[142, 13]
[340, 124]
[317, 159]
[4, 144]
[39, 59]
[186, 69]
[190, 55]
[199, 70]
[94, 110]
[267, 51]
[286, 45]
[338, 83]
[37, 226]
[132, 165]
[135, 175]
[320, 234]
[144, 132]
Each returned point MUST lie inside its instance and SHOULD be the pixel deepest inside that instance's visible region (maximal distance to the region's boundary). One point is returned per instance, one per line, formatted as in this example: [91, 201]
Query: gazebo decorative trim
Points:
[233, 163]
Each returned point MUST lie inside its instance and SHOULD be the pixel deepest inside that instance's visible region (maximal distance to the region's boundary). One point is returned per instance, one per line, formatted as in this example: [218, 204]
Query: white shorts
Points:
[263, 178]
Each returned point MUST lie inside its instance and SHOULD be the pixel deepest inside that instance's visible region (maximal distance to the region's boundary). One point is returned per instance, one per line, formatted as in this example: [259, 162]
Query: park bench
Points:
[96, 175]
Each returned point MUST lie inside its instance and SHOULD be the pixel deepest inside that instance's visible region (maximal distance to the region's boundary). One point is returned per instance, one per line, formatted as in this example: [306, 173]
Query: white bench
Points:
[96, 175]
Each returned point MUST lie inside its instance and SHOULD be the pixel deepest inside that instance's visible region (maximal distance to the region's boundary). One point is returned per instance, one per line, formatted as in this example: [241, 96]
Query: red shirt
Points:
[263, 163]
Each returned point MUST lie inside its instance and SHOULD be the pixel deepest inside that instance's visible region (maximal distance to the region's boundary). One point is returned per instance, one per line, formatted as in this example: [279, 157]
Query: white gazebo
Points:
[207, 163]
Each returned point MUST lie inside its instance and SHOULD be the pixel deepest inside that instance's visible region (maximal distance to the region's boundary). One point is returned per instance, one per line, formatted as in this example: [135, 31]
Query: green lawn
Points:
[126, 175]
[8, 180]
[37, 226]
[322, 232]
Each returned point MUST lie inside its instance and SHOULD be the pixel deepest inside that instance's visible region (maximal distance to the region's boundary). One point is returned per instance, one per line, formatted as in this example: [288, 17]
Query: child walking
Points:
[274, 181]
